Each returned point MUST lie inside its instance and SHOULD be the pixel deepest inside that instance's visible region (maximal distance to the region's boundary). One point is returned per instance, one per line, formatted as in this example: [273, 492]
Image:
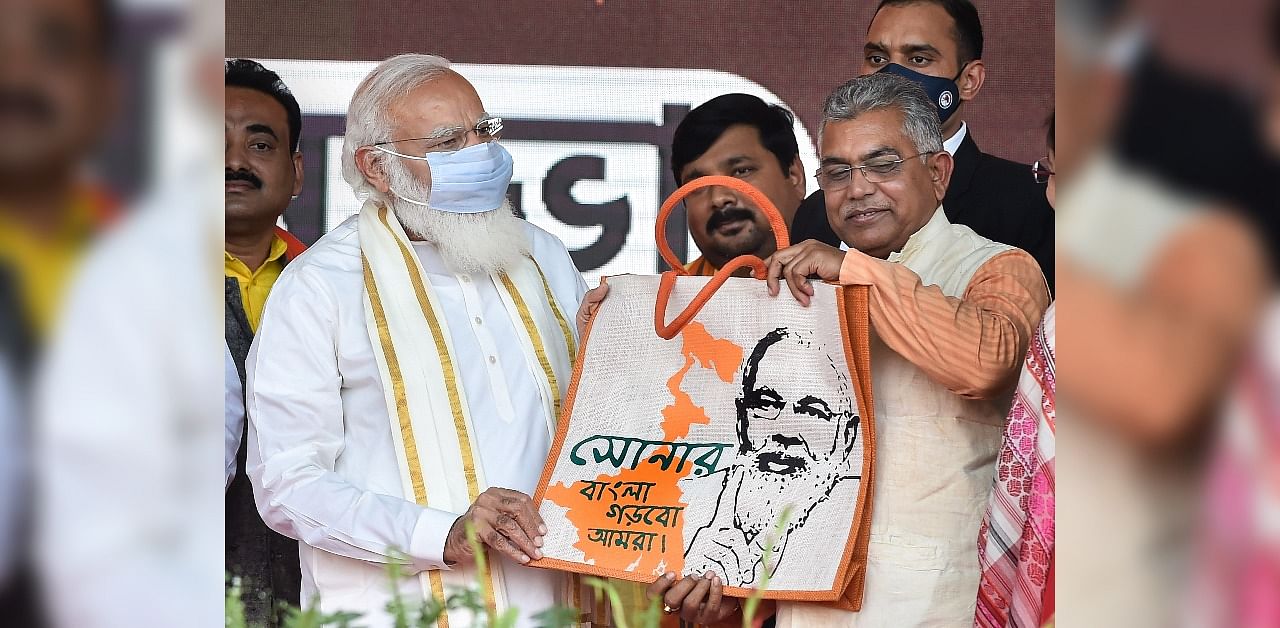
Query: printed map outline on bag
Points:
[680, 455]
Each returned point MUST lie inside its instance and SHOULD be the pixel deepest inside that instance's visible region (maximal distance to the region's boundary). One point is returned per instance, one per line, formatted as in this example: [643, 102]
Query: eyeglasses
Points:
[487, 129]
[1041, 171]
[837, 176]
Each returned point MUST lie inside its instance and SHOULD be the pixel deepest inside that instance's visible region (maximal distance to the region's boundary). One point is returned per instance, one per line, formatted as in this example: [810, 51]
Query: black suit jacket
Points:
[995, 197]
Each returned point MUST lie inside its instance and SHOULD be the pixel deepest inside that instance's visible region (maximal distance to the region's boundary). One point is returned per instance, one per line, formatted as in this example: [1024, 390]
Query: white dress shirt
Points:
[321, 456]
[952, 144]
[233, 404]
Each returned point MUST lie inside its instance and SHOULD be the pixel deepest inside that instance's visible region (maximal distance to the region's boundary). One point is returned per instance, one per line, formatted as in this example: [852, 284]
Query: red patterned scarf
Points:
[1015, 544]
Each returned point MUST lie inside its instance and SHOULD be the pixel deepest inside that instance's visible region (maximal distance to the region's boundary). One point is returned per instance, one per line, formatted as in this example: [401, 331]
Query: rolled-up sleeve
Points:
[974, 344]
[296, 434]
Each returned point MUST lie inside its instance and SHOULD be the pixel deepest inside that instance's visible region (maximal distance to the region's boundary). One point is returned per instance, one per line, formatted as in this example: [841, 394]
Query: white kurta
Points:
[321, 456]
[935, 457]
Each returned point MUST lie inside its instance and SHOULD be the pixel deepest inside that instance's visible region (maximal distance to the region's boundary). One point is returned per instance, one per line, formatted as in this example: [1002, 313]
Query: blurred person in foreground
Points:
[1162, 291]
[1271, 116]
[408, 369]
[57, 97]
[1182, 104]
[263, 173]
[1236, 574]
[1015, 542]
[952, 315]
[939, 44]
[57, 94]
[741, 136]
[13, 474]
[127, 427]
[1238, 554]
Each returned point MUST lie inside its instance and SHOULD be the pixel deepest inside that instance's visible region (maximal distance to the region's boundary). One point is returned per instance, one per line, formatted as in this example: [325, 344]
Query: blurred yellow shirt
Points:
[42, 264]
[255, 285]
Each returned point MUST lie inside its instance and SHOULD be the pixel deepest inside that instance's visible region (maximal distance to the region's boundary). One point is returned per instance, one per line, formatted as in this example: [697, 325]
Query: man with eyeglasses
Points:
[952, 312]
[408, 370]
[939, 44]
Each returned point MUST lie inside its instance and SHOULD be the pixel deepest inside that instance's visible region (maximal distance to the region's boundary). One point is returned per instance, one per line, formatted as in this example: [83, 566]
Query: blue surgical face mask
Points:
[472, 180]
[943, 91]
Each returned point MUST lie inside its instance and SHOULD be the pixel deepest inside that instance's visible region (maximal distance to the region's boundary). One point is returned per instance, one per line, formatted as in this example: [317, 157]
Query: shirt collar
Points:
[277, 250]
[700, 266]
[921, 238]
[952, 144]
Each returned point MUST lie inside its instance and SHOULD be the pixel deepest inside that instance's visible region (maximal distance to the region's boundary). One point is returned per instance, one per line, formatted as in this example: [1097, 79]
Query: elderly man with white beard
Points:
[408, 369]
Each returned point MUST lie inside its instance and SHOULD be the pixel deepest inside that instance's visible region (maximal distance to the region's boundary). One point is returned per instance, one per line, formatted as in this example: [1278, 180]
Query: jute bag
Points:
[737, 438]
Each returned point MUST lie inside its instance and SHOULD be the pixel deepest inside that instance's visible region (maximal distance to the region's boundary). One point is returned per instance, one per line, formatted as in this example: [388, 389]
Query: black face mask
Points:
[944, 92]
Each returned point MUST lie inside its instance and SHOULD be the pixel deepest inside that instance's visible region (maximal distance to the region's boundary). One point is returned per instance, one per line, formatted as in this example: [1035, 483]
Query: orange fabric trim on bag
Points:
[856, 322]
[855, 328]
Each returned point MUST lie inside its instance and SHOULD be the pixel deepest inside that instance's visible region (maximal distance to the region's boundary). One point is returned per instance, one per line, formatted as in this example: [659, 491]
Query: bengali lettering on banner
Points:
[681, 445]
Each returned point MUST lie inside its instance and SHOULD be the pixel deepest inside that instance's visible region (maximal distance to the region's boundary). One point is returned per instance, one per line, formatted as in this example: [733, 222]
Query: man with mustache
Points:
[263, 173]
[952, 314]
[409, 368]
[736, 135]
[785, 458]
[57, 96]
[58, 92]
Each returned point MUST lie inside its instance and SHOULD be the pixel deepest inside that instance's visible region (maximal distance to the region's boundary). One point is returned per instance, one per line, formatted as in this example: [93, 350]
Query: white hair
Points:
[487, 242]
[368, 119]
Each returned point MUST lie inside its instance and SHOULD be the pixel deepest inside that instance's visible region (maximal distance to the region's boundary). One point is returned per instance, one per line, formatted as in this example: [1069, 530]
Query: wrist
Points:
[429, 546]
[455, 543]
[840, 261]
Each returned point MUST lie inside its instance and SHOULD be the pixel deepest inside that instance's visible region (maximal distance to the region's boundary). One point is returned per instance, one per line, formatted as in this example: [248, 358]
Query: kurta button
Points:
[493, 360]
[478, 320]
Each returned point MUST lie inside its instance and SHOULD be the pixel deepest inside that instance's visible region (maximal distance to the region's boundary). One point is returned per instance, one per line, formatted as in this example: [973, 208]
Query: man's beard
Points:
[488, 242]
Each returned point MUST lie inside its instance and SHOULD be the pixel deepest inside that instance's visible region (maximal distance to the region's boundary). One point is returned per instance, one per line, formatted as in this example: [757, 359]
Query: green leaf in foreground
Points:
[752, 605]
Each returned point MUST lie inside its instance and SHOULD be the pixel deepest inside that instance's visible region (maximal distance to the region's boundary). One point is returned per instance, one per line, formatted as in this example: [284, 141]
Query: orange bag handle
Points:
[780, 233]
[667, 283]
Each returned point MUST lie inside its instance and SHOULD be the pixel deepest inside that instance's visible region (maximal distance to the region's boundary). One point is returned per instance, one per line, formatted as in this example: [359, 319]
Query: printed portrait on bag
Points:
[786, 462]
[684, 454]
